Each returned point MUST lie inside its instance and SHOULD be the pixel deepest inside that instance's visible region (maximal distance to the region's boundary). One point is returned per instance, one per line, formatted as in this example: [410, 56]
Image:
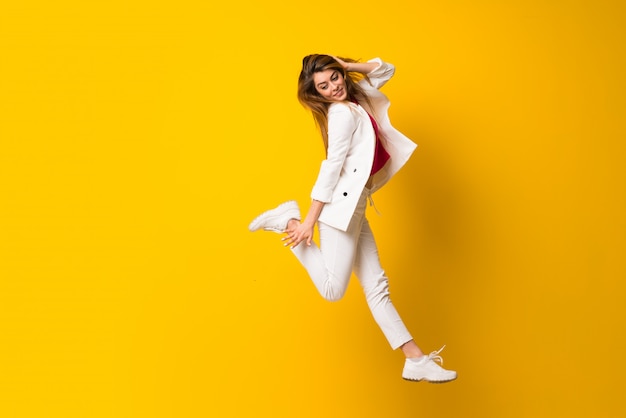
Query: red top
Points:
[381, 156]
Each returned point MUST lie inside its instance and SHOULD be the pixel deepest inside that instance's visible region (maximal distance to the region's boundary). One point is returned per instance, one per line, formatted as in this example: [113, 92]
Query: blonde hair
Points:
[315, 102]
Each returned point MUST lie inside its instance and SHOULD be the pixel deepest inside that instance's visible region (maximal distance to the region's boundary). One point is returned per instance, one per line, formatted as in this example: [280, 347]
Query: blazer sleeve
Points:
[381, 74]
[341, 126]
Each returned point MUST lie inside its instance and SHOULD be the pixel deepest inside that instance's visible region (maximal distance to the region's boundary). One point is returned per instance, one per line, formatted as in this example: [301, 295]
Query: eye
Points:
[335, 77]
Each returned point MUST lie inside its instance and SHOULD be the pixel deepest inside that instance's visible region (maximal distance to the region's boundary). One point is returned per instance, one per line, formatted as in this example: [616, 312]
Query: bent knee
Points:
[333, 296]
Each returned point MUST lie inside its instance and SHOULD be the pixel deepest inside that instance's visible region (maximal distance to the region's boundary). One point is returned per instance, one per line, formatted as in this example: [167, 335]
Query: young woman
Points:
[363, 151]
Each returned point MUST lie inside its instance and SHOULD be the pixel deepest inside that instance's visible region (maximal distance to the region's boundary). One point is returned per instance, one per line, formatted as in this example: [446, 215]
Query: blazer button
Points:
[345, 193]
[354, 170]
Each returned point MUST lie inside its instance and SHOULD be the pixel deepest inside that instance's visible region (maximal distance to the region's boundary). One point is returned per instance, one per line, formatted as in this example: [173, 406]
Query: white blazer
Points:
[351, 143]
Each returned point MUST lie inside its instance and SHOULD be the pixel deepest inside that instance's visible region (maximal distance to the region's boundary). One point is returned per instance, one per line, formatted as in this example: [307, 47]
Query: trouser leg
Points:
[375, 284]
[330, 265]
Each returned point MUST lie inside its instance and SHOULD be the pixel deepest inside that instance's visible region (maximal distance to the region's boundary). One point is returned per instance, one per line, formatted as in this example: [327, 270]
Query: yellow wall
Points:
[138, 139]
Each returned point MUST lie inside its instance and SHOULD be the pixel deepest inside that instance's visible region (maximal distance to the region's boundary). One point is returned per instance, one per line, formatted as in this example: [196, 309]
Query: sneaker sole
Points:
[429, 381]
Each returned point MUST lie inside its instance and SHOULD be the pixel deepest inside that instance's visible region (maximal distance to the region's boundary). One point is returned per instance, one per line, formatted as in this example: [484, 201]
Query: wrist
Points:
[308, 223]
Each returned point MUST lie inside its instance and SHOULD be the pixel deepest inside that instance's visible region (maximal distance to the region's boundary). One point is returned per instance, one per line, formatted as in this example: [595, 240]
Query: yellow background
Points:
[138, 139]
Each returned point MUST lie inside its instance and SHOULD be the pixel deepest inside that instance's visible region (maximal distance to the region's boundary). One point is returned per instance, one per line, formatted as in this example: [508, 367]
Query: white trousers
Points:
[339, 254]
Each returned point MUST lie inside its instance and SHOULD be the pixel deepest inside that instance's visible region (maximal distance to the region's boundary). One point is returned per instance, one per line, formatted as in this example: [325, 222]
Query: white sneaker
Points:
[276, 220]
[425, 368]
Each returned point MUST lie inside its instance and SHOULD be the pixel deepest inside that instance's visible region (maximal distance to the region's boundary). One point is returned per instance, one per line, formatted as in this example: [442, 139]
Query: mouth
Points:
[339, 93]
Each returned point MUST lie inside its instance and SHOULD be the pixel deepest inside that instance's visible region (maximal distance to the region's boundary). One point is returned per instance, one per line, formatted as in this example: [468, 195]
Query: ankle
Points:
[411, 350]
[414, 355]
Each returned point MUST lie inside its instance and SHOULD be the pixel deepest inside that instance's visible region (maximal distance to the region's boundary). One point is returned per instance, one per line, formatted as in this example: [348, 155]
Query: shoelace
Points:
[435, 355]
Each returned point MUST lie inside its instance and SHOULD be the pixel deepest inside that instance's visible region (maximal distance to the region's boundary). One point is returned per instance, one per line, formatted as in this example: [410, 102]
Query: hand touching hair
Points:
[310, 98]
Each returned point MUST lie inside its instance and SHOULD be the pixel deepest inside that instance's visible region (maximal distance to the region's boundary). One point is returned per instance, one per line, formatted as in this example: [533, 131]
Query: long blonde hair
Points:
[315, 102]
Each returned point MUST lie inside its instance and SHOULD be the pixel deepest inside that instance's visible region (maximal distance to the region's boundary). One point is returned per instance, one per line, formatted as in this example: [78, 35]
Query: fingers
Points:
[339, 60]
[295, 236]
[291, 240]
[287, 240]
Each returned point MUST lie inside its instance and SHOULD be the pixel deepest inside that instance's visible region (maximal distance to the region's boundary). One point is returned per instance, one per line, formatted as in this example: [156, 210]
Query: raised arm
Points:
[358, 67]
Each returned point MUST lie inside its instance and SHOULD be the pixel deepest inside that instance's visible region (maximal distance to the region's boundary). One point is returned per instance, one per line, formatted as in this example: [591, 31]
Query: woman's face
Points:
[331, 85]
